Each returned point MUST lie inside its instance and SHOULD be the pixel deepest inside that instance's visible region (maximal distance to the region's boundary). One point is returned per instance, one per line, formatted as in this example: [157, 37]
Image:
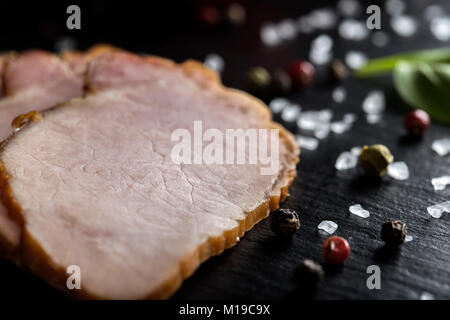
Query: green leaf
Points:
[386, 64]
[426, 86]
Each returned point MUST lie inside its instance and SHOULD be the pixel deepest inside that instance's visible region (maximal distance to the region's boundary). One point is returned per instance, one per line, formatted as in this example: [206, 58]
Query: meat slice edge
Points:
[40, 256]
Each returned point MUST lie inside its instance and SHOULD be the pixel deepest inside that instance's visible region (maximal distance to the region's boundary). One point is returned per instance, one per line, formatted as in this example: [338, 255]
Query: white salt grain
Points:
[426, 296]
[278, 104]
[441, 146]
[398, 170]
[214, 62]
[408, 238]
[380, 39]
[346, 161]
[339, 94]
[395, 7]
[437, 210]
[269, 35]
[349, 8]
[304, 25]
[307, 143]
[374, 103]
[356, 151]
[440, 183]
[349, 118]
[322, 130]
[328, 226]
[351, 29]
[373, 118]
[312, 120]
[291, 112]
[433, 11]
[323, 18]
[440, 28]
[355, 59]
[358, 210]
[340, 127]
[404, 25]
[286, 29]
[320, 57]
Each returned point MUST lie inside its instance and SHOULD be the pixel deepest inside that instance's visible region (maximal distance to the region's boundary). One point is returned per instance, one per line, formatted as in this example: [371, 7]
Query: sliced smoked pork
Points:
[95, 185]
[34, 81]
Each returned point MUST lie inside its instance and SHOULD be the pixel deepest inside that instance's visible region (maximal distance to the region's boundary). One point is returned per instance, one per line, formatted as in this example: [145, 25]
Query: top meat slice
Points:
[96, 186]
[34, 80]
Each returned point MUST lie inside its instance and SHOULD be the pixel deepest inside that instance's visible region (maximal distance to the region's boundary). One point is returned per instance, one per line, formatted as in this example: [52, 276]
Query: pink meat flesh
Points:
[35, 80]
[98, 189]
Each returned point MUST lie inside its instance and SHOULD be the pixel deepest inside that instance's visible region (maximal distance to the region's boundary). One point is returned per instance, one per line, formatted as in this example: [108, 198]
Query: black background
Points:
[260, 266]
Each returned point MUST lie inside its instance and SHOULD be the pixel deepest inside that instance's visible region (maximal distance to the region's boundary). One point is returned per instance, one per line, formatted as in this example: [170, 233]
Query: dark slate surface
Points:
[260, 266]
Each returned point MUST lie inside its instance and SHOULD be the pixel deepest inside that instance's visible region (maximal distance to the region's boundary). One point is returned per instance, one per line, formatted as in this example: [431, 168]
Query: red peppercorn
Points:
[209, 15]
[417, 122]
[301, 72]
[335, 250]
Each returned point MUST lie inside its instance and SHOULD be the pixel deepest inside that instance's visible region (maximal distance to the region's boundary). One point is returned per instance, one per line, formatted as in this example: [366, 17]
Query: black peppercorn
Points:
[281, 82]
[393, 233]
[339, 70]
[284, 222]
[308, 273]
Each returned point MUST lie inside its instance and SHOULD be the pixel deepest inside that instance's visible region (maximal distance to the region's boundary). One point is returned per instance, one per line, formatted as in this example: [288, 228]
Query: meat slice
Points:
[95, 185]
[36, 80]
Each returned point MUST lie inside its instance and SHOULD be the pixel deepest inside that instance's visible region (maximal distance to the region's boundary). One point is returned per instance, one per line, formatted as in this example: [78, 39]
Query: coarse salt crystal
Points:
[398, 170]
[322, 130]
[339, 94]
[291, 112]
[269, 35]
[349, 8]
[355, 59]
[351, 29]
[408, 238]
[441, 146]
[346, 160]
[358, 210]
[286, 29]
[440, 183]
[374, 102]
[328, 226]
[380, 39]
[340, 127]
[395, 7]
[404, 25]
[214, 62]
[373, 118]
[278, 104]
[307, 143]
[433, 11]
[356, 151]
[440, 28]
[426, 296]
[437, 210]
[349, 118]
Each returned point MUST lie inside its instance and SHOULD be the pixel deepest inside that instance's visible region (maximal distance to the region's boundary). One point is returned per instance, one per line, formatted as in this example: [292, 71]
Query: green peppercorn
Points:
[393, 233]
[284, 222]
[308, 273]
[338, 70]
[375, 159]
[258, 79]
